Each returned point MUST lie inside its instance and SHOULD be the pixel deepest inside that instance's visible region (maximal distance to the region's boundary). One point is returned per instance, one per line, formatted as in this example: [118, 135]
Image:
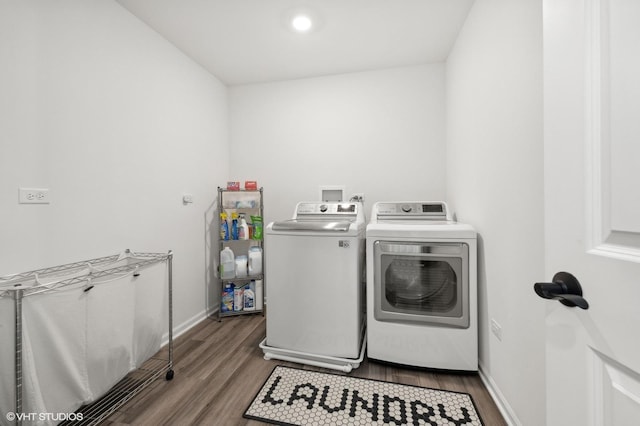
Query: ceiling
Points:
[249, 41]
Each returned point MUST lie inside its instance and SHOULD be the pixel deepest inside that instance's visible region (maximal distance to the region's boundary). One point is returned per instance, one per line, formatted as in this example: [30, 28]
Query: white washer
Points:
[315, 290]
[421, 287]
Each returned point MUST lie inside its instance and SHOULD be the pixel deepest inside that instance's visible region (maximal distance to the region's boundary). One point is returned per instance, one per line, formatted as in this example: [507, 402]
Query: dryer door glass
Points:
[420, 285]
[422, 282]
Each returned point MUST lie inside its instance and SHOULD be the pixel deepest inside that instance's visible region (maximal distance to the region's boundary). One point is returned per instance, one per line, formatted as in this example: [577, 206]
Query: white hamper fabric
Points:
[110, 315]
[78, 344]
[7, 343]
[151, 312]
[54, 349]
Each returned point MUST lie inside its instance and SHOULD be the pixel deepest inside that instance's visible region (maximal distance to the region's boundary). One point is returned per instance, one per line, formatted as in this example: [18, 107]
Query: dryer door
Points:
[422, 282]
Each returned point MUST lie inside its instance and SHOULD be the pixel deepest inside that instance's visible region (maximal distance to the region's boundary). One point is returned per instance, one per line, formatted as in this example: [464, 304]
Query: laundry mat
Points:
[293, 396]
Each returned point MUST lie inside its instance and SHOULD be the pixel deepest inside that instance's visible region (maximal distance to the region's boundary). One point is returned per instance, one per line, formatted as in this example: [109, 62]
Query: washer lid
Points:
[309, 225]
[322, 218]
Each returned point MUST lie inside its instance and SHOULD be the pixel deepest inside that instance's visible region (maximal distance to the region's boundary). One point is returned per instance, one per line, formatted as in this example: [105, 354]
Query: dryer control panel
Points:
[431, 210]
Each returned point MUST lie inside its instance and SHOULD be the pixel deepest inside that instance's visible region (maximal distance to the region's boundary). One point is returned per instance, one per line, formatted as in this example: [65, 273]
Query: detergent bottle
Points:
[238, 298]
[249, 299]
[258, 294]
[234, 226]
[243, 229]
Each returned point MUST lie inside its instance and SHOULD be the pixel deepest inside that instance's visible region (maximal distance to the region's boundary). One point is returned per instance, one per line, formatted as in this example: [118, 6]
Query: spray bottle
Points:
[224, 227]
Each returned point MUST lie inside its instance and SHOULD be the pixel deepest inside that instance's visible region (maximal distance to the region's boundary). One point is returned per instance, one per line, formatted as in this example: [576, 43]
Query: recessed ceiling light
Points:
[302, 20]
[301, 23]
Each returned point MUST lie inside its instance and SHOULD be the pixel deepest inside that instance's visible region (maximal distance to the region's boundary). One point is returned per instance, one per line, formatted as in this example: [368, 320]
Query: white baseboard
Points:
[497, 396]
[180, 329]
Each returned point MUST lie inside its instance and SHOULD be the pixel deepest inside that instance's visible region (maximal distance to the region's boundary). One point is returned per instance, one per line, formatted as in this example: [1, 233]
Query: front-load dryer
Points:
[315, 290]
[421, 287]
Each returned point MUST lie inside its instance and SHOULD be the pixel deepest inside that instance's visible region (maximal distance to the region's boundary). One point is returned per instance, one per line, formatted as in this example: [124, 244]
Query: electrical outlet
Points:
[496, 329]
[358, 196]
[34, 196]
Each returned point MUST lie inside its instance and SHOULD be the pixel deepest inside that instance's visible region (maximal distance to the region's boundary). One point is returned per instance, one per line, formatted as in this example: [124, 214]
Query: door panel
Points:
[618, 401]
[620, 34]
[612, 128]
[592, 214]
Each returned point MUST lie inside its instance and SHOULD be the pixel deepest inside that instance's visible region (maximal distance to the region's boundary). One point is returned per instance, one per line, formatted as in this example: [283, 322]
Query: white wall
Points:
[380, 132]
[495, 182]
[118, 124]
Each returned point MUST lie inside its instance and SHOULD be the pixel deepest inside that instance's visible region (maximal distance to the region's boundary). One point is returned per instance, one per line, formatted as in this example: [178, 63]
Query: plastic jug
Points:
[255, 261]
[227, 263]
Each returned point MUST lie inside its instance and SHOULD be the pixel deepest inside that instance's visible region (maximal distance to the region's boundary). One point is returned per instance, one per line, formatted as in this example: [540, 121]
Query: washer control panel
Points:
[322, 208]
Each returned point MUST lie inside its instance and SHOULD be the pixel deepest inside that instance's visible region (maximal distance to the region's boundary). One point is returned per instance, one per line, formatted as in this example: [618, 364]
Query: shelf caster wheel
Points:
[169, 375]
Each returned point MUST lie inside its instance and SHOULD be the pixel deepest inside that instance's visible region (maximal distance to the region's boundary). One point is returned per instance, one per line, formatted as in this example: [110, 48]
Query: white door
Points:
[592, 208]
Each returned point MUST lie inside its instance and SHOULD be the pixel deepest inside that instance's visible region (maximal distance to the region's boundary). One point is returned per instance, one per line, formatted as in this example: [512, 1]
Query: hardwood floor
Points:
[219, 369]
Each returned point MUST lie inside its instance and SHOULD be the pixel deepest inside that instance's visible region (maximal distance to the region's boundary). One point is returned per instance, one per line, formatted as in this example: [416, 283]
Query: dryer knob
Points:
[323, 208]
[406, 208]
